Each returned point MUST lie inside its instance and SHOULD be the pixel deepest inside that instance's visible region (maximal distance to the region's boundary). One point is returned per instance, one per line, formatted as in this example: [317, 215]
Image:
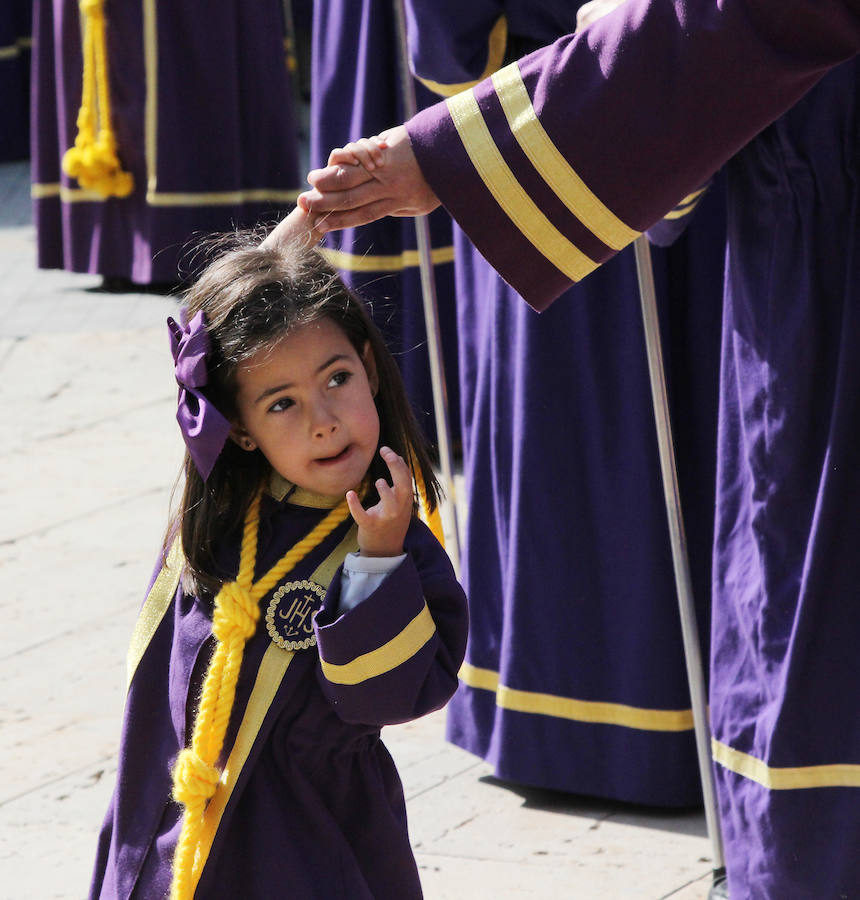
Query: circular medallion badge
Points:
[288, 618]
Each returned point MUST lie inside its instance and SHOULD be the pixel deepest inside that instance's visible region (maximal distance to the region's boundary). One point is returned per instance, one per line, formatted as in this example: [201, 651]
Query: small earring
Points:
[248, 444]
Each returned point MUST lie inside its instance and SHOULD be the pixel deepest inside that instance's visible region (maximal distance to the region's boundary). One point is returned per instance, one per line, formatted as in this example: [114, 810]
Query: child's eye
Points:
[339, 378]
[280, 405]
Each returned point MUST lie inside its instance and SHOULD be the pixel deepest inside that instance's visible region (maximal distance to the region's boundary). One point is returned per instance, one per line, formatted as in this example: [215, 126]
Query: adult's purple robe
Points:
[561, 161]
[356, 91]
[15, 46]
[574, 676]
[310, 801]
[202, 109]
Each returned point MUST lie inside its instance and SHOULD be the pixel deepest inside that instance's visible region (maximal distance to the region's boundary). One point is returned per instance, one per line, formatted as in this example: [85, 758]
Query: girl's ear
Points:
[241, 438]
[369, 361]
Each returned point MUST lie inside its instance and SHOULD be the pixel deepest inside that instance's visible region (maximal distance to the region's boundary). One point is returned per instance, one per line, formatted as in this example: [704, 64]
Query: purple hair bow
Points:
[203, 428]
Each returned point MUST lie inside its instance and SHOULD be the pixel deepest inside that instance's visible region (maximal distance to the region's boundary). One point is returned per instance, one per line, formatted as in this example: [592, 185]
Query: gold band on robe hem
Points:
[378, 262]
[497, 44]
[784, 778]
[509, 193]
[590, 711]
[274, 196]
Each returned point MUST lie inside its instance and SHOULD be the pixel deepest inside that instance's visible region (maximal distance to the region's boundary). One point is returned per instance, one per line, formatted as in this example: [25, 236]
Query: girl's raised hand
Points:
[296, 226]
[382, 528]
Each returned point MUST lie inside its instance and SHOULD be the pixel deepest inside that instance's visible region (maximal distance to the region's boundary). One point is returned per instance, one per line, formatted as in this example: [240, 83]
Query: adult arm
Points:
[560, 160]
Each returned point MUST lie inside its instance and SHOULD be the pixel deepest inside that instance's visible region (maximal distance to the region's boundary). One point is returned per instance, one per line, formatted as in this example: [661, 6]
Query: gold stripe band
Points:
[560, 707]
[687, 205]
[222, 198]
[552, 166]
[496, 45]
[790, 778]
[509, 194]
[408, 259]
[154, 607]
[156, 198]
[387, 657]
[66, 194]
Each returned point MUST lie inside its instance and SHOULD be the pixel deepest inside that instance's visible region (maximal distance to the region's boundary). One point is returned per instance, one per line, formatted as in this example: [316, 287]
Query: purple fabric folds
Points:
[204, 429]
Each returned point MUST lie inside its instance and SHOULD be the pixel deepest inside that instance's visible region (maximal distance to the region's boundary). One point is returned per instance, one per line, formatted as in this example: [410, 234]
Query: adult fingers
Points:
[333, 179]
[362, 215]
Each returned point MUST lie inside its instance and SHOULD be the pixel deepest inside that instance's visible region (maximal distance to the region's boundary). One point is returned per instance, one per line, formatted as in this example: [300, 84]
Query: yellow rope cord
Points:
[433, 519]
[93, 159]
[195, 775]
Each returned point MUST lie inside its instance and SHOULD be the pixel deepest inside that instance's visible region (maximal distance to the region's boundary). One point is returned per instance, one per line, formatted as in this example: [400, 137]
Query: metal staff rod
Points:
[678, 539]
[431, 309]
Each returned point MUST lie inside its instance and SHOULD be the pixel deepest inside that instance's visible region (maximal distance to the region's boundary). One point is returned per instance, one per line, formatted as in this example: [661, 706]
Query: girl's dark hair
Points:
[252, 296]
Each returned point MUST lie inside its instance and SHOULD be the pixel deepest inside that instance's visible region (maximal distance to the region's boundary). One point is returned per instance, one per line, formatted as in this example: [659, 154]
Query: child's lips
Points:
[337, 458]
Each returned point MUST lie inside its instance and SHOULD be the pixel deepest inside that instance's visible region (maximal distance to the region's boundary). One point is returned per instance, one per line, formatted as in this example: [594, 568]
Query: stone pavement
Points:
[89, 455]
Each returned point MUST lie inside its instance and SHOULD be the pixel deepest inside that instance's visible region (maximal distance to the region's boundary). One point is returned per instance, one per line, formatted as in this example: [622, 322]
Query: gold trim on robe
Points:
[384, 659]
[552, 166]
[154, 607]
[687, 205]
[509, 194]
[370, 262]
[560, 707]
[784, 778]
[496, 46]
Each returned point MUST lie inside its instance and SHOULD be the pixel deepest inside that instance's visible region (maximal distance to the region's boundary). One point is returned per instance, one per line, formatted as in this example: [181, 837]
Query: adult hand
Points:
[344, 196]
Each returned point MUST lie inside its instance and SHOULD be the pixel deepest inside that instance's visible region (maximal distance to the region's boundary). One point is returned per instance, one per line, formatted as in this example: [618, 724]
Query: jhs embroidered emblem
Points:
[288, 618]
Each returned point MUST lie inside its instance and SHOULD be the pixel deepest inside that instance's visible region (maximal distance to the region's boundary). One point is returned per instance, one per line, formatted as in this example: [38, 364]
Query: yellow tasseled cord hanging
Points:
[237, 611]
[93, 160]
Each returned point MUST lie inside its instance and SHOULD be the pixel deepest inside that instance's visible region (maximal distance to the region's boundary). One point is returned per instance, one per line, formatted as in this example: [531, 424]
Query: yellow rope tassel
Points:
[93, 160]
[237, 610]
[432, 518]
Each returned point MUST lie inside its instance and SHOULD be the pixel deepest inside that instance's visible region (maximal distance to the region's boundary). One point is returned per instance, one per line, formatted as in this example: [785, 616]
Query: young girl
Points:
[300, 605]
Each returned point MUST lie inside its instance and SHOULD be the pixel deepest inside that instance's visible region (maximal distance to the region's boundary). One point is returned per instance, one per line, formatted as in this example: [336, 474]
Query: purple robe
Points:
[310, 797]
[356, 92]
[688, 85]
[203, 114]
[15, 45]
[574, 677]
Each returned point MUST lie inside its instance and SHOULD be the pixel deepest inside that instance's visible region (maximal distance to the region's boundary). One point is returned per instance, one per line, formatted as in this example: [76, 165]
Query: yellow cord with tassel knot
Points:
[237, 610]
[93, 160]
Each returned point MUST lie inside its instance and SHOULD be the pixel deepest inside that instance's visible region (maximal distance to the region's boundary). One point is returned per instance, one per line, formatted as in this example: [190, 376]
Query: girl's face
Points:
[307, 404]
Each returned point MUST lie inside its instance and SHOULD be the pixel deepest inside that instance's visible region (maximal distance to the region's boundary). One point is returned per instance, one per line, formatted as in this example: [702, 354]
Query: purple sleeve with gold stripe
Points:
[561, 159]
[454, 44]
[396, 655]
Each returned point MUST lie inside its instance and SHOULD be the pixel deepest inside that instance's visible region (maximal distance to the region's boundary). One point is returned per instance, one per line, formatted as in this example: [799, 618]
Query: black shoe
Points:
[720, 887]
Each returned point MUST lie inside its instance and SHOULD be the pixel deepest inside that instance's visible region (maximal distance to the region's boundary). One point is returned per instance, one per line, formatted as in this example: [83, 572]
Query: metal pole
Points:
[680, 560]
[431, 312]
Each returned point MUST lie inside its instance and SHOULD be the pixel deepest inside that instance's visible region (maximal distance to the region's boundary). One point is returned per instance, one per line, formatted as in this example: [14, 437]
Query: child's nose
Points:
[324, 422]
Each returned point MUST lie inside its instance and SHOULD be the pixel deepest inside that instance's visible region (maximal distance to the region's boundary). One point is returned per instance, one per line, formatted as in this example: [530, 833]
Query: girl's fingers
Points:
[356, 509]
[385, 491]
[401, 476]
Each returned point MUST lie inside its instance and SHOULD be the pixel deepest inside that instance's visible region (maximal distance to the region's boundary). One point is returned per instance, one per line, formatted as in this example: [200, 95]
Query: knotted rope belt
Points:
[237, 610]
